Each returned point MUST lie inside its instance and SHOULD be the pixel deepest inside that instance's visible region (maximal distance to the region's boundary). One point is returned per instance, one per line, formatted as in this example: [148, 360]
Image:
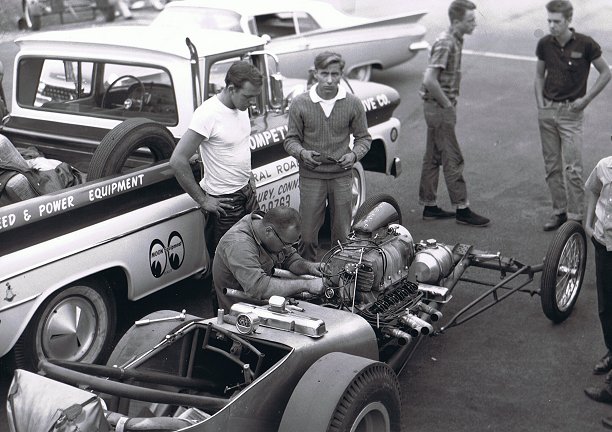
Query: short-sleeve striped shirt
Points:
[446, 55]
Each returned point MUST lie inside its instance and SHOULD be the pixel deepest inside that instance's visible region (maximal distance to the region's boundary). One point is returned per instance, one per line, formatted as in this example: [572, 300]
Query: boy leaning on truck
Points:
[220, 130]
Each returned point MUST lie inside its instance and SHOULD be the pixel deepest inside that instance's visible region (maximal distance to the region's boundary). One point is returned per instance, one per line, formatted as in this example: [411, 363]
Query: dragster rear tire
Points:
[342, 392]
[563, 271]
[373, 201]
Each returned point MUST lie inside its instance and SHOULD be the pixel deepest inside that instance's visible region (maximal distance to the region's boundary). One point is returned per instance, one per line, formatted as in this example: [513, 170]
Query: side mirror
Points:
[276, 90]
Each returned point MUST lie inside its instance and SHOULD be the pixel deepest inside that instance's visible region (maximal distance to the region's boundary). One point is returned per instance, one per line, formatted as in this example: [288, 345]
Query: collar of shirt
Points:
[572, 37]
[314, 96]
[456, 35]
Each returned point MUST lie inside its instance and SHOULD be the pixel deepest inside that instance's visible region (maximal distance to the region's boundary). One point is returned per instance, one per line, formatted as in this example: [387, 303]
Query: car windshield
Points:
[208, 18]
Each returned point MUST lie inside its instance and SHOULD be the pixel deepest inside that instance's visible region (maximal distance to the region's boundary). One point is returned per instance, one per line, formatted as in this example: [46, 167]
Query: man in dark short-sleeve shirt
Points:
[248, 253]
[564, 60]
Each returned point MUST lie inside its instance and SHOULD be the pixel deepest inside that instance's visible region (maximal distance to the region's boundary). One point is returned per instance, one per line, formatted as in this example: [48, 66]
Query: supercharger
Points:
[381, 274]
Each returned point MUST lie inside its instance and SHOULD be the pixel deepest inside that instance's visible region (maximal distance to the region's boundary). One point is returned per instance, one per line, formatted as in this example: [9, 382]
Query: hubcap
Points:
[569, 272]
[356, 192]
[373, 418]
[70, 330]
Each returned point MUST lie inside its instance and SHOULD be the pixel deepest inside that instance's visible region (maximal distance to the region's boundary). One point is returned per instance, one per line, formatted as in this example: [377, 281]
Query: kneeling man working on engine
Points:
[249, 252]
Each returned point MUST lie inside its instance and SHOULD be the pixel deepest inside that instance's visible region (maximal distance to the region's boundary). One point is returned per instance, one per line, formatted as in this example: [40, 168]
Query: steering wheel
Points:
[138, 83]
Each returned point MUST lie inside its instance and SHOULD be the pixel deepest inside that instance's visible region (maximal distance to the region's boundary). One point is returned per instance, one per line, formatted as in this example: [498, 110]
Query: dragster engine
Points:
[370, 274]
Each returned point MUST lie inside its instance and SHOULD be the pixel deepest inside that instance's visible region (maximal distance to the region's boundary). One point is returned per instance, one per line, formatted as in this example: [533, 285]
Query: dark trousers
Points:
[442, 150]
[603, 273]
[244, 202]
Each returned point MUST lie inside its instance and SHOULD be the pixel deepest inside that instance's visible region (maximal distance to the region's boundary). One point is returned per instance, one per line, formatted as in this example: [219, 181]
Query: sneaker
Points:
[468, 217]
[555, 222]
[435, 212]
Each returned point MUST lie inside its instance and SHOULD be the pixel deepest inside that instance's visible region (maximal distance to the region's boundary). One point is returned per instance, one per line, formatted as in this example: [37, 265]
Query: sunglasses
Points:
[285, 244]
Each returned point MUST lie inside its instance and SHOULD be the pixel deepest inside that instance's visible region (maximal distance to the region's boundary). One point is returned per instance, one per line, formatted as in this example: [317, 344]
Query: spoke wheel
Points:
[563, 272]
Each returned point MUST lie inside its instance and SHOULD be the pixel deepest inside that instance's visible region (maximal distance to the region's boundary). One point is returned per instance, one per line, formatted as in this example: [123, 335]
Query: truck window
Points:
[108, 90]
[63, 81]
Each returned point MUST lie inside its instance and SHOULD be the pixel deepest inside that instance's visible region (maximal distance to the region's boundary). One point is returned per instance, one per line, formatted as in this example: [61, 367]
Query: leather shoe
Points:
[599, 394]
[555, 222]
[604, 365]
[607, 422]
[435, 212]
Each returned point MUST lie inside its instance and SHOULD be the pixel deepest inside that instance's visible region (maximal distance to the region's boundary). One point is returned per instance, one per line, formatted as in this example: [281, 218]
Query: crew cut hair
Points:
[563, 7]
[282, 217]
[457, 9]
[242, 71]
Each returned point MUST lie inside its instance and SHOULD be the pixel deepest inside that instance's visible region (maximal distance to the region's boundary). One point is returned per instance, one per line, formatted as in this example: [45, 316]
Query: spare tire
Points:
[123, 141]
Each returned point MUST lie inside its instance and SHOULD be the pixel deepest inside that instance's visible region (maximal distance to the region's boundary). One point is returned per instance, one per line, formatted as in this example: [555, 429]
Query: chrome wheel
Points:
[76, 323]
[357, 190]
[563, 271]
[569, 272]
[70, 330]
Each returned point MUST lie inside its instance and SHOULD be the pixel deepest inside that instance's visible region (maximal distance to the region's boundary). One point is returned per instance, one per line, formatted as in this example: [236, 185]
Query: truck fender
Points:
[124, 140]
[341, 392]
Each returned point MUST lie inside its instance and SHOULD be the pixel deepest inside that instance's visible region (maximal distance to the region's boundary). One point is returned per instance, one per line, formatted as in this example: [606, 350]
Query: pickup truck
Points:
[113, 105]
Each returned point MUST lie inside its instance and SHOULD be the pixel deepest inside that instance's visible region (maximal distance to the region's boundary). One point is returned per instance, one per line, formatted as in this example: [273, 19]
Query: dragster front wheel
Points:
[563, 271]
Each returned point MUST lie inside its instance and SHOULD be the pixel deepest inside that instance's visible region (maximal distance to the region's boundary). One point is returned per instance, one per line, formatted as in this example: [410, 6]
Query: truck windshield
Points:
[97, 88]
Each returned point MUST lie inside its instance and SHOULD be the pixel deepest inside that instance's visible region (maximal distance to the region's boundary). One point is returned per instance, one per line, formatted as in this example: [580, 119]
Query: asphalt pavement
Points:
[509, 369]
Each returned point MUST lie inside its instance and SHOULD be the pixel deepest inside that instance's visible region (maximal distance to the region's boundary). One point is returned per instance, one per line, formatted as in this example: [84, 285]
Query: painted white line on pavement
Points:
[504, 56]
[499, 55]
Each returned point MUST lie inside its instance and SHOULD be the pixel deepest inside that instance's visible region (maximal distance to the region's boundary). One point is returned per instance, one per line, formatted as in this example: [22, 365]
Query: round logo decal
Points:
[158, 258]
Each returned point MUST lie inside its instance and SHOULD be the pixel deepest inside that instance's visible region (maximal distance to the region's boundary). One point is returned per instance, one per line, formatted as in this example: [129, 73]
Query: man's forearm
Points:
[538, 87]
[185, 178]
[601, 82]
[286, 287]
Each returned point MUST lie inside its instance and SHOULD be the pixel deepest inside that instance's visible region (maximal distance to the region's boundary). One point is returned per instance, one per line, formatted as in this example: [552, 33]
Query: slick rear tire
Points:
[373, 201]
[563, 272]
[75, 324]
[122, 143]
[360, 395]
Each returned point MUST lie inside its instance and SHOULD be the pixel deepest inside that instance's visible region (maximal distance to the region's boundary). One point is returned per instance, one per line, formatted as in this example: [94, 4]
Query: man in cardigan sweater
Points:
[320, 124]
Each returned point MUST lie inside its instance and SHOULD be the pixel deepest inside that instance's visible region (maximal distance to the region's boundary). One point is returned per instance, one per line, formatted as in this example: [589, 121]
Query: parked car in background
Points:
[300, 29]
[30, 14]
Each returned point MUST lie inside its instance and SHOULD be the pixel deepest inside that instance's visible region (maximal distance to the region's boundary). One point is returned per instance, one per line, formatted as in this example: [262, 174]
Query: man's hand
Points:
[348, 160]
[316, 286]
[216, 206]
[579, 104]
[307, 158]
[314, 268]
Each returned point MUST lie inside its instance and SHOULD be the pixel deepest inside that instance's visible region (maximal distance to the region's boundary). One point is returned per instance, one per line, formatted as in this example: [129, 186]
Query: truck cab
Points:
[113, 105]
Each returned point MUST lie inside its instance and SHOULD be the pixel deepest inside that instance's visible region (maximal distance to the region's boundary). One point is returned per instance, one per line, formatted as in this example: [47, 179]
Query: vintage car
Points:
[30, 14]
[299, 30]
[308, 364]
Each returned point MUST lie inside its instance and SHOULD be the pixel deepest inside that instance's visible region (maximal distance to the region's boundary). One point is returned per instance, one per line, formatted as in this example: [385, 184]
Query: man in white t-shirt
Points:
[220, 130]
